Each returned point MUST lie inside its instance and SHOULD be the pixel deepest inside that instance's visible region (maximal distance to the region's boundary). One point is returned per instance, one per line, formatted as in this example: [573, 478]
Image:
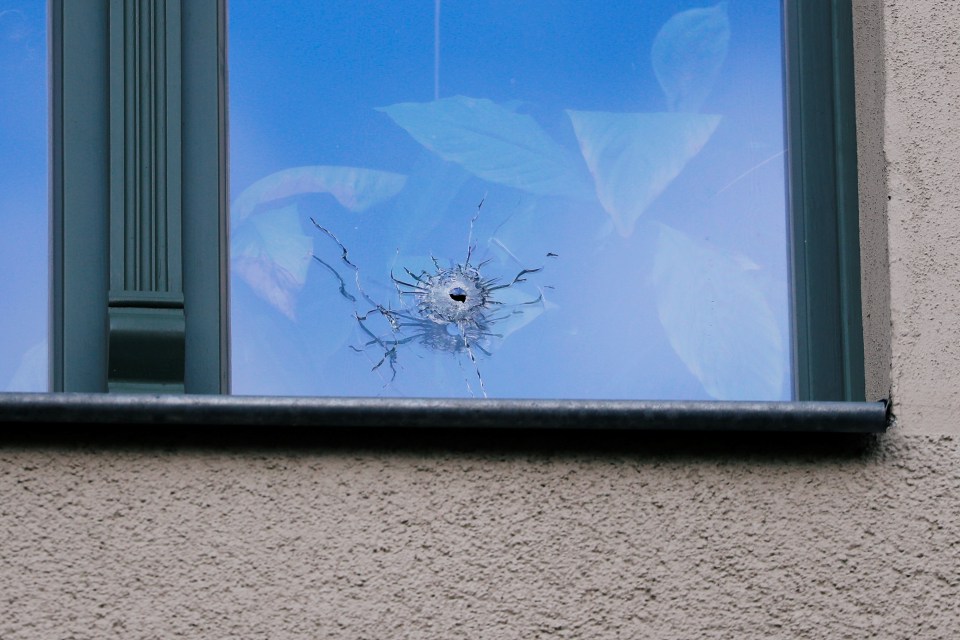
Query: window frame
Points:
[823, 200]
[142, 60]
[89, 42]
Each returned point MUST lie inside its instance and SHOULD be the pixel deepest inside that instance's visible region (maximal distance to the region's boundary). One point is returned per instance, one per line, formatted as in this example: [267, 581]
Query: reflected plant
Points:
[687, 55]
[612, 165]
[268, 250]
[457, 309]
[625, 161]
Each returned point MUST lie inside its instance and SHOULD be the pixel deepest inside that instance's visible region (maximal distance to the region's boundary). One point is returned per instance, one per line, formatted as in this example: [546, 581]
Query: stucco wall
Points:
[869, 61]
[615, 537]
[641, 538]
[922, 147]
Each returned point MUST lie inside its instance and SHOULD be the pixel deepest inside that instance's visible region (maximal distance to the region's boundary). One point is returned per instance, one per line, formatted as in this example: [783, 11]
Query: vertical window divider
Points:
[138, 188]
[204, 195]
[80, 198]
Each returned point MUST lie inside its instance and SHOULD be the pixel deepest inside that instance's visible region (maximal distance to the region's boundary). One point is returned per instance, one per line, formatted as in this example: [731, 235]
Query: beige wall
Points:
[650, 537]
[921, 133]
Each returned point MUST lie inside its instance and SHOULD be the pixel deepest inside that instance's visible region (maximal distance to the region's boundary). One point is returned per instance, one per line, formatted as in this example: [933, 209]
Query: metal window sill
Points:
[247, 411]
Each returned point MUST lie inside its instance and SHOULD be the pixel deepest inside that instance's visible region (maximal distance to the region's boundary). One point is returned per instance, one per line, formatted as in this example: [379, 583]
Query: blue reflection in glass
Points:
[23, 196]
[631, 241]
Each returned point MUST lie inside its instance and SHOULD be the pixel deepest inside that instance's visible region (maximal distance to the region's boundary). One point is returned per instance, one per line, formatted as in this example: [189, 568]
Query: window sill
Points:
[172, 410]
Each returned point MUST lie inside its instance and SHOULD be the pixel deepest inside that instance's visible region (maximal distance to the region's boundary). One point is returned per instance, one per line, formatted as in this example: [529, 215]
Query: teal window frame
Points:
[139, 230]
[823, 198]
[138, 196]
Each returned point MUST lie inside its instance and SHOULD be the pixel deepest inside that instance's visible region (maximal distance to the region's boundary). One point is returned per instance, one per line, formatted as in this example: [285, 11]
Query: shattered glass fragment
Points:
[457, 309]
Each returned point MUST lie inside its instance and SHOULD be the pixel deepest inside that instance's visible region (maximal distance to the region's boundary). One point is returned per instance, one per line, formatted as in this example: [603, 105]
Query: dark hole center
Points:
[458, 294]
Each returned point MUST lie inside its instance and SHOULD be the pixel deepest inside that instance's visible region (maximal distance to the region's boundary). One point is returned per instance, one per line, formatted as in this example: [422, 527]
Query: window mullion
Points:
[138, 167]
[79, 194]
[204, 194]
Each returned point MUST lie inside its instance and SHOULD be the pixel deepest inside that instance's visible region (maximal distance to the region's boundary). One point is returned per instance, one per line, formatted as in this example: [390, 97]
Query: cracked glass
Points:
[514, 200]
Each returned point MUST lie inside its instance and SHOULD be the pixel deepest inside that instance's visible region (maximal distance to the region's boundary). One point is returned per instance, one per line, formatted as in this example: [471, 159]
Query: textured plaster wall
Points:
[922, 147]
[649, 539]
[869, 63]
[685, 537]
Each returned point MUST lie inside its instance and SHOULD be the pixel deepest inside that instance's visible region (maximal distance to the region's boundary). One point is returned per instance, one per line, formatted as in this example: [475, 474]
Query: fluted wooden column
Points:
[146, 306]
[139, 196]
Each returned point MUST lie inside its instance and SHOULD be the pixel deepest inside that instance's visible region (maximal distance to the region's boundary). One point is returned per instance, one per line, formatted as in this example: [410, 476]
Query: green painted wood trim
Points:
[822, 160]
[138, 193]
[205, 203]
[146, 350]
[145, 227]
[146, 310]
[80, 198]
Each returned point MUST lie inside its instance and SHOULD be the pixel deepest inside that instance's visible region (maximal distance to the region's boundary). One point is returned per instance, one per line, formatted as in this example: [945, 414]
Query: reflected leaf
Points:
[270, 252]
[494, 143]
[633, 157]
[355, 188]
[716, 318]
[687, 55]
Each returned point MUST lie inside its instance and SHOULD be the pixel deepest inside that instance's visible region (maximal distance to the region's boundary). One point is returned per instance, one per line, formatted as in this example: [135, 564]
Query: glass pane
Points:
[24, 252]
[564, 199]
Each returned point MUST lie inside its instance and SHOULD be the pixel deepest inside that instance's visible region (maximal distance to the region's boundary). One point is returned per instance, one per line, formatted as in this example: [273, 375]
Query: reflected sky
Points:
[501, 199]
[24, 254]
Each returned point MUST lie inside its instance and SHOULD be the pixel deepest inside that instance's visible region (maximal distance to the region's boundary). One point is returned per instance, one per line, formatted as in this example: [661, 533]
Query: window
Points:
[24, 253]
[139, 193]
[632, 238]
